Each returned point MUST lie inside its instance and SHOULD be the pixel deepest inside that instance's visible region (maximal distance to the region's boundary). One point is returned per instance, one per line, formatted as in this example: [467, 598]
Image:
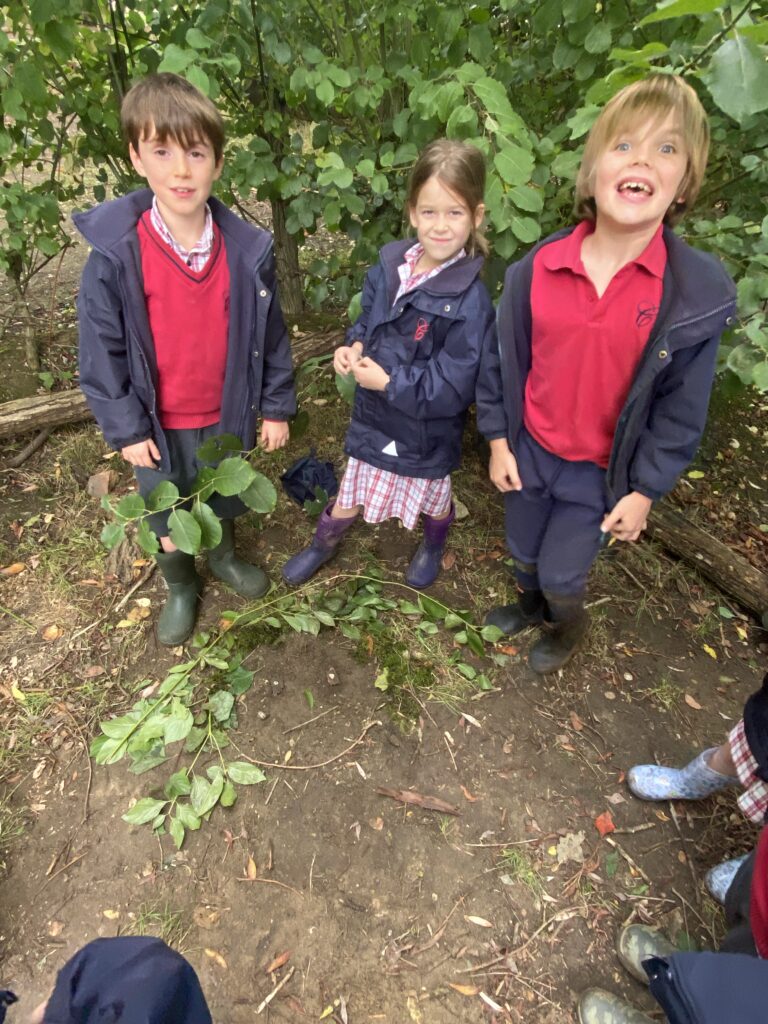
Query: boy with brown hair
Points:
[608, 334]
[181, 332]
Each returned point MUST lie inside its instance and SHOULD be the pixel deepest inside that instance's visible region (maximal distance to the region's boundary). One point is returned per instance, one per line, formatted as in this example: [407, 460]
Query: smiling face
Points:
[180, 176]
[443, 222]
[638, 176]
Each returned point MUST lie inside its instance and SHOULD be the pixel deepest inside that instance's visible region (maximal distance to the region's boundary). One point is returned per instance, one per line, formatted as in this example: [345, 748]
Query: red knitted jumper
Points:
[189, 319]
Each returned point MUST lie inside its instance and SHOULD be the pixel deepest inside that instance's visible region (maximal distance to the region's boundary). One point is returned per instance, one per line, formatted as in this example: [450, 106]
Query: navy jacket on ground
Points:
[660, 426]
[430, 344]
[118, 371]
[130, 980]
[710, 988]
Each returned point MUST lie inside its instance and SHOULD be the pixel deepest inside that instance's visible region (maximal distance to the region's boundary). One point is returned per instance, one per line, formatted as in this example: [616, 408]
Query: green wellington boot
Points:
[177, 619]
[638, 942]
[596, 1006]
[245, 579]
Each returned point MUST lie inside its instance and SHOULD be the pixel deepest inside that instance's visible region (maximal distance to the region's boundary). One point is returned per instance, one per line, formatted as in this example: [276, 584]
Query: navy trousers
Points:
[553, 524]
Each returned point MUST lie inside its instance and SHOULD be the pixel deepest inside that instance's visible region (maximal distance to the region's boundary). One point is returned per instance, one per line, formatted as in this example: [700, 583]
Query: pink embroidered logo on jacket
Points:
[422, 327]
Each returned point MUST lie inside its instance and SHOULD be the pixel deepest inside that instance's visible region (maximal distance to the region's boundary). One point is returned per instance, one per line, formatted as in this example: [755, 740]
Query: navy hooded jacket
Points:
[660, 426]
[710, 988]
[118, 370]
[130, 980]
[430, 343]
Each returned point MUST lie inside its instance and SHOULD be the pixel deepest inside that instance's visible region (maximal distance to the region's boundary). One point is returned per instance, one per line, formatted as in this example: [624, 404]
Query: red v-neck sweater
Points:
[189, 318]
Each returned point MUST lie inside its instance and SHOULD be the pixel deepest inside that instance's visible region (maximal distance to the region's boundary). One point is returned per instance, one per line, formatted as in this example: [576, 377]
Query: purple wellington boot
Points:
[425, 564]
[305, 564]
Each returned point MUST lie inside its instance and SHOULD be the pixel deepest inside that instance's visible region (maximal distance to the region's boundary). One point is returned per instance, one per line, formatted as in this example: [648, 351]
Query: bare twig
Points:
[632, 863]
[274, 881]
[63, 707]
[688, 860]
[146, 575]
[37, 442]
[268, 999]
[309, 721]
[308, 767]
[439, 933]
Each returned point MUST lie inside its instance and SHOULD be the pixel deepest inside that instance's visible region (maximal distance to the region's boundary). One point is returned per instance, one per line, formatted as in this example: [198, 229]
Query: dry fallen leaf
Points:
[13, 570]
[464, 990]
[692, 702]
[111, 915]
[570, 847]
[377, 824]
[52, 632]
[479, 921]
[604, 823]
[251, 870]
[576, 722]
[55, 928]
[681, 856]
[448, 560]
[710, 651]
[429, 803]
[205, 917]
[217, 958]
[468, 795]
[508, 649]
[278, 962]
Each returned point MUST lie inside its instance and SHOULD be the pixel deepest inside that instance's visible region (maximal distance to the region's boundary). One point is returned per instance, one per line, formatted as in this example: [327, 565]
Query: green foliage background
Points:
[328, 102]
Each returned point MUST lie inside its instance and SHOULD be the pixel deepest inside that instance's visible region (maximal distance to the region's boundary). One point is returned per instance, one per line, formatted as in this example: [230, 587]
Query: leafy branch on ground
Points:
[196, 703]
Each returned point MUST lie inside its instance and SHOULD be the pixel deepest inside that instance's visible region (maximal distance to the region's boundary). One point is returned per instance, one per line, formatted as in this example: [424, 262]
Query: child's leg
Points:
[425, 564]
[335, 519]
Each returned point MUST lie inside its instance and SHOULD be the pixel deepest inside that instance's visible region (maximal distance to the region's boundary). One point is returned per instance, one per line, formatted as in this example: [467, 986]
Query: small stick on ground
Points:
[635, 828]
[268, 999]
[64, 867]
[308, 767]
[63, 707]
[439, 933]
[632, 863]
[309, 721]
[688, 860]
[37, 442]
[146, 575]
[272, 881]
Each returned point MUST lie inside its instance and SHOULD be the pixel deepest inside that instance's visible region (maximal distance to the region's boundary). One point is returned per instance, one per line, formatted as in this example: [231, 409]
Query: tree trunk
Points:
[287, 259]
[731, 572]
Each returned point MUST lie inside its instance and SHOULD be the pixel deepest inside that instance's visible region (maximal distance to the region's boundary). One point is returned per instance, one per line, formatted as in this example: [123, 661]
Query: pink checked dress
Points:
[382, 494]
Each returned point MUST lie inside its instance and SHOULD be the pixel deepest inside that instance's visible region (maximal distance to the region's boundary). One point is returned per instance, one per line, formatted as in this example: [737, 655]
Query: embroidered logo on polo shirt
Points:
[422, 327]
[646, 314]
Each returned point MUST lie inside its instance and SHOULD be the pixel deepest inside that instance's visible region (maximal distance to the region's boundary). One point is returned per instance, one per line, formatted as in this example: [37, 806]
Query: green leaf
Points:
[175, 59]
[679, 8]
[695, 474]
[408, 608]
[216, 448]
[130, 507]
[205, 795]
[309, 697]
[475, 643]
[144, 810]
[180, 723]
[598, 38]
[245, 774]
[178, 785]
[163, 496]
[738, 78]
[514, 164]
[209, 523]
[432, 608]
[724, 612]
[221, 704]
[381, 682]
[260, 495]
[177, 832]
[491, 634]
[184, 531]
[452, 621]
[146, 538]
[760, 376]
[345, 385]
[325, 92]
[112, 534]
[466, 670]
[197, 39]
[232, 476]
[197, 77]
[196, 738]
[526, 198]
[187, 817]
[526, 229]
[228, 795]
[239, 680]
[148, 760]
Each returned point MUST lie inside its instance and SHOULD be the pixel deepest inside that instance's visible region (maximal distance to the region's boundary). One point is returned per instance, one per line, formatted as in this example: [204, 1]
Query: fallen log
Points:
[24, 415]
[730, 571]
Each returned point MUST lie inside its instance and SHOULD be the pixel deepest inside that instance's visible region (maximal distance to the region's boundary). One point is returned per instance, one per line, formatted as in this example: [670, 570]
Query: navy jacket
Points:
[118, 370]
[430, 344]
[660, 426]
[710, 988]
[130, 980]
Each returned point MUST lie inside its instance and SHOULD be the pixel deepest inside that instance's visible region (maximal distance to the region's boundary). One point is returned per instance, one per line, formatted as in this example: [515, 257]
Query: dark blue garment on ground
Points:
[305, 476]
[7, 998]
[554, 522]
[710, 988]
[130, 980]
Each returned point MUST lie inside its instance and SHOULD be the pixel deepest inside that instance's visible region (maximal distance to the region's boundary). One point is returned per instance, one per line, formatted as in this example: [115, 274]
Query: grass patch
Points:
[664, 693]
[518, 866]
[163, 922]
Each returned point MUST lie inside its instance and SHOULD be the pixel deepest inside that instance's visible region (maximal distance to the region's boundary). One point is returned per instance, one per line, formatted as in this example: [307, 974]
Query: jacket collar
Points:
[109, 224]
[695, 282]
[454, 280]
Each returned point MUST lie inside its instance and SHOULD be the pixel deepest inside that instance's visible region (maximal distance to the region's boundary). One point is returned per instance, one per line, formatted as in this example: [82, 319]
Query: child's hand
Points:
[628, 517]
[274, 435]
[503, 467]
[345, 357]
[143, 453]
[369, 374]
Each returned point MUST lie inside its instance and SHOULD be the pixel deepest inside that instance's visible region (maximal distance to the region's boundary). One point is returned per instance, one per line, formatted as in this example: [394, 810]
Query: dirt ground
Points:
[389, 912]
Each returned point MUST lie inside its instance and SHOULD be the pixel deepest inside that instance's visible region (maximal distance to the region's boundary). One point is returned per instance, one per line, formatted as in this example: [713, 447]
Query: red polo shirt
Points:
[585, 348]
